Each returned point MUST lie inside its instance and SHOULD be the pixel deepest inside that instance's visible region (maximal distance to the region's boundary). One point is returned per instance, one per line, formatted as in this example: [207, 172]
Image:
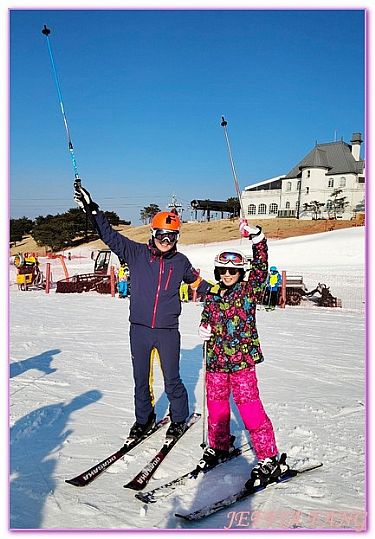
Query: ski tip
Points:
[73, 482]
[134, 486]
[181, 516]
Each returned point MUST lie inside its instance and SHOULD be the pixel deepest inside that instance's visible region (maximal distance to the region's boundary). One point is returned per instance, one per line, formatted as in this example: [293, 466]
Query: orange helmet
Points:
[166, 220]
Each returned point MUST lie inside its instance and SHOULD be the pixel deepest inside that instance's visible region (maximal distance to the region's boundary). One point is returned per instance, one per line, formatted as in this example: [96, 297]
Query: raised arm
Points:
[259, 264]
[118, 243]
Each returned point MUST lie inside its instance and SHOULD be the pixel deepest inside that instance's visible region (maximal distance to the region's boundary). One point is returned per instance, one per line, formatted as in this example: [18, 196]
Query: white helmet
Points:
[231, 258]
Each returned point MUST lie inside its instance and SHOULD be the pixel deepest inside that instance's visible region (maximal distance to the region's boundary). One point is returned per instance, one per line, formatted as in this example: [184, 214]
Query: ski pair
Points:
[165, 490]
[244, 493]
[85, 478]
[143, 477]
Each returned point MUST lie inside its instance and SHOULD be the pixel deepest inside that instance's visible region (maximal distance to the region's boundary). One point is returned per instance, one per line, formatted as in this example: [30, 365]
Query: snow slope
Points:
[71, 403]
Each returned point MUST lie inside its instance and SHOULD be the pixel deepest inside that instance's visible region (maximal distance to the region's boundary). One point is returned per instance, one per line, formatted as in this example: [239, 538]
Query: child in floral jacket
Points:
[233, 349]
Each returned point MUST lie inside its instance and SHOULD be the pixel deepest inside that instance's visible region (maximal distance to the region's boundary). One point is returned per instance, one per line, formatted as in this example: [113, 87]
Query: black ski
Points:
[242, 494]
[143, 477]
[88, 476]
[165, 490]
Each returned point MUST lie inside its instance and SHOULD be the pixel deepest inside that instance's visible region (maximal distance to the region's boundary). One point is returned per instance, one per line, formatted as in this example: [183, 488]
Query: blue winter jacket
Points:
[155, 277]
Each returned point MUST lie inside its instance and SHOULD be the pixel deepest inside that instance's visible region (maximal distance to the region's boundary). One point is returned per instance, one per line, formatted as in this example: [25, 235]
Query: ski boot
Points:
[176, 429]
[138, 430]
[211, 456]
[266, 471]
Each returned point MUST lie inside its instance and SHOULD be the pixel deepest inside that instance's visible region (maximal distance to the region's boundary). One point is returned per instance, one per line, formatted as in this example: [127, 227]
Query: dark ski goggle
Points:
[231, 271]
[162, 235]
[234, 258]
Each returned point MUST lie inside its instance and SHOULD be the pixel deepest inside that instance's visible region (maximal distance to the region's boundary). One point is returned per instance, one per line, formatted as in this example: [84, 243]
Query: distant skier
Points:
[156, 270]
[123, 278]
[273, 284]
[233, 349]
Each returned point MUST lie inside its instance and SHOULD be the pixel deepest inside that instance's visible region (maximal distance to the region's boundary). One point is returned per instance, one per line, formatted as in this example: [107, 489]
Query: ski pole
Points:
[204, 359]
[77, 181]
[224, 124]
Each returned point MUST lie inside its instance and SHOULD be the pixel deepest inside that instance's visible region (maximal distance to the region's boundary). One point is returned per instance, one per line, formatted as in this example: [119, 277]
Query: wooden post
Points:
[48, 277]
[282, 301]
[112, 277]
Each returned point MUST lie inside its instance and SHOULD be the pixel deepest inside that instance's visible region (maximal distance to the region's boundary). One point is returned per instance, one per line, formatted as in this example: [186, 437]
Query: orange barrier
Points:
[113, 279]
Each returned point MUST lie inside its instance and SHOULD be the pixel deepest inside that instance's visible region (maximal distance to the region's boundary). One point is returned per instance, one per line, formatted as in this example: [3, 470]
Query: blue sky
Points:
[144, 92]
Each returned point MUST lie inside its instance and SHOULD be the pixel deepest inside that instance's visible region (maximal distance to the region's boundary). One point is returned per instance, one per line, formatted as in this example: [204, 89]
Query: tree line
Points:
[60, 231]
[63, 230]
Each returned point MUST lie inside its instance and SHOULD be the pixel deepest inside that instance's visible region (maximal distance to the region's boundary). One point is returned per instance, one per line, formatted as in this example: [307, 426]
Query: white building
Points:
[311, 183]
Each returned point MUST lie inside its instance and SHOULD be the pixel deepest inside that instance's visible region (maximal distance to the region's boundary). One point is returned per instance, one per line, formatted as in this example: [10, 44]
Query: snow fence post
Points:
[48, 277]
[112, 279]
[282, 301]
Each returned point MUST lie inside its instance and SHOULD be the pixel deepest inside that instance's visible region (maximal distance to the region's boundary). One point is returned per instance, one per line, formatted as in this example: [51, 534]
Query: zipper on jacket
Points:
[161, 269]
[168, 278]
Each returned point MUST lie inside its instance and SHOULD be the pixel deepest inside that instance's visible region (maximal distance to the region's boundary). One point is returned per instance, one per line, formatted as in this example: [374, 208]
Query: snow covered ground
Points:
[71, 403]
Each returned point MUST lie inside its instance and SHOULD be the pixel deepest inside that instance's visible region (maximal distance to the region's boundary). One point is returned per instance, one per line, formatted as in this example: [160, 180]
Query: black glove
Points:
[83, 199]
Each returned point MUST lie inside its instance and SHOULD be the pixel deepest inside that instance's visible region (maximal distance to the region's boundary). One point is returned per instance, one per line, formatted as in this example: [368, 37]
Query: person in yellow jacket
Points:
[123, 278]
[273, 283]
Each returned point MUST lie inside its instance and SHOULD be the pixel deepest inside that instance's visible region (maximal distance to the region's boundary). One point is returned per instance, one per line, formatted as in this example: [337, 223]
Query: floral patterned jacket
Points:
[234, 344]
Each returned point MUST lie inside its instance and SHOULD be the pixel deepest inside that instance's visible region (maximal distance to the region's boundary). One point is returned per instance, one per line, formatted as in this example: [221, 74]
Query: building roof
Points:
[336, 157]
[264, 182]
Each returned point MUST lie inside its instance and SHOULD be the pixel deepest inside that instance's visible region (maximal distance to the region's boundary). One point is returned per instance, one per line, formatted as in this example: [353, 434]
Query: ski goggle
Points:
[231, 271]
[233, 258]
[162, 235]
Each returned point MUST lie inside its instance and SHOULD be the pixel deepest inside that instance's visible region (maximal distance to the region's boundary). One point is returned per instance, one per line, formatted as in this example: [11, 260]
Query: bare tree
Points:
[338, 202]
[313, 207]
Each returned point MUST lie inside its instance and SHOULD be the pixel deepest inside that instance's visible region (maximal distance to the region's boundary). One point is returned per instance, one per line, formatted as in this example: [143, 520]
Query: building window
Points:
[262, 209]
[251, 209]
[329, 205]
[308, 173]
[361, 179]
[288, 186]
[287, 205]
[342, 182]
[330, 182]
[307, 190]
[273, 208]
[298, 185]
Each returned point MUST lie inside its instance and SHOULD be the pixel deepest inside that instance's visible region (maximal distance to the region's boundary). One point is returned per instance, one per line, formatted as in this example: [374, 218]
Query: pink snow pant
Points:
[244, 387]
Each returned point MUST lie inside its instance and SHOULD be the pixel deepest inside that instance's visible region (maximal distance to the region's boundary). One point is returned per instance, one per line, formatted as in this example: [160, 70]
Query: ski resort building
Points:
[329, 182]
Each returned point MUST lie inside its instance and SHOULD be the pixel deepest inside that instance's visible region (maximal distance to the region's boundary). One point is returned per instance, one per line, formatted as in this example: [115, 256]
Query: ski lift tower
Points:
[174, 205]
